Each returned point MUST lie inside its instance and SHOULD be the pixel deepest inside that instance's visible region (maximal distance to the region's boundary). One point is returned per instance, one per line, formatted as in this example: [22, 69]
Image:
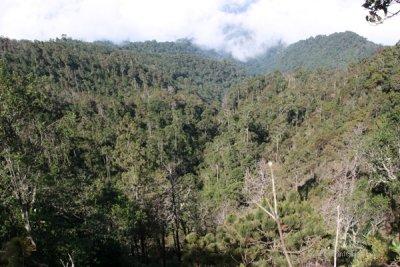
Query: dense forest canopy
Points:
[164, 154]
[103, 66]
[333, 51]
[183, 59]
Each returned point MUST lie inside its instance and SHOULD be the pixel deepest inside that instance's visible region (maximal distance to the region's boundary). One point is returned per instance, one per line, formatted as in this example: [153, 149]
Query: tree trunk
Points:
[175, 214]
[163, 246]
[27, 226]
[143, 248]
[337, 236]
[283, 245]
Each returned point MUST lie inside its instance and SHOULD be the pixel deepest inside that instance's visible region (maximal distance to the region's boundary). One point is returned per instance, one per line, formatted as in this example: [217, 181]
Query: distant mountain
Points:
[183, 60]
[265, 62]
[333, 51]
[181, 46]
[106, 66]
[154, 154]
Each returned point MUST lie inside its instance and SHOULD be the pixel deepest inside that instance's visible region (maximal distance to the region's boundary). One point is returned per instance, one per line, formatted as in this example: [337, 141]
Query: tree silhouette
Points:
[379, 10]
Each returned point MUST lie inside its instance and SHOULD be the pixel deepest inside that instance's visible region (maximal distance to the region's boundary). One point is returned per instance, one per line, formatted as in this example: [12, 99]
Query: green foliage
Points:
[395, 247]
[17, 252]
[374, 254]
[86, 153]
[384, 72]
[142, 154]
[113, 69]
[251, 237]
[335, 51]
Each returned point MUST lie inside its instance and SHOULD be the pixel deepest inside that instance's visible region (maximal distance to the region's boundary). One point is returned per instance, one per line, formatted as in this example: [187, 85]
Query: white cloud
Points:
[242, 27]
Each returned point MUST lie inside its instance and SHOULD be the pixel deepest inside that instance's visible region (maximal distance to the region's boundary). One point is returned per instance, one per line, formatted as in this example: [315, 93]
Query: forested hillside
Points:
[105, 67]
[179, 47]
[144, 155]
[335, 51]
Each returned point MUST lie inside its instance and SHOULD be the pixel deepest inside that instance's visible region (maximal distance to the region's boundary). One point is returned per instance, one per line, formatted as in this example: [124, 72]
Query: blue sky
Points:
[241, 27]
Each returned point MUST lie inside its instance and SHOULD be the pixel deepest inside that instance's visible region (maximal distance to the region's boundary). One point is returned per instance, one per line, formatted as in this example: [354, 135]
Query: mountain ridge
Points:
[336, 50]
[115, 157]
[333, 51]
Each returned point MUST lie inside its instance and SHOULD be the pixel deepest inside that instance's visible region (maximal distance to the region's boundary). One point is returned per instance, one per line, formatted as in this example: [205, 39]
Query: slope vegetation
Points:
[335, 51]
[112, 156]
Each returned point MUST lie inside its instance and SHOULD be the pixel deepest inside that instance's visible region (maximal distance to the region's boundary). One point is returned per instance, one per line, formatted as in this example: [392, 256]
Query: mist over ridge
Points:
[243, 28]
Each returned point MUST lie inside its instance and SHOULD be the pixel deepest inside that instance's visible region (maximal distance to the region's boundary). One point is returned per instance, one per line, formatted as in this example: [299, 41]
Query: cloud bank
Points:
[241, 27]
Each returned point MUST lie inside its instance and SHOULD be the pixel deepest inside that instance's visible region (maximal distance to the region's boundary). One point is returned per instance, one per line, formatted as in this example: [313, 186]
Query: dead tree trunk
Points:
[176, 220]
[337, 236]
[163, 246]
[175, 204]
[272, 211]
[24, 191]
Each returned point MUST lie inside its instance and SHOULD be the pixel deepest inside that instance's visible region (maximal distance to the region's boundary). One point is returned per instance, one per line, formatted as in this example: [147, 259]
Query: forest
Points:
[167, 154]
